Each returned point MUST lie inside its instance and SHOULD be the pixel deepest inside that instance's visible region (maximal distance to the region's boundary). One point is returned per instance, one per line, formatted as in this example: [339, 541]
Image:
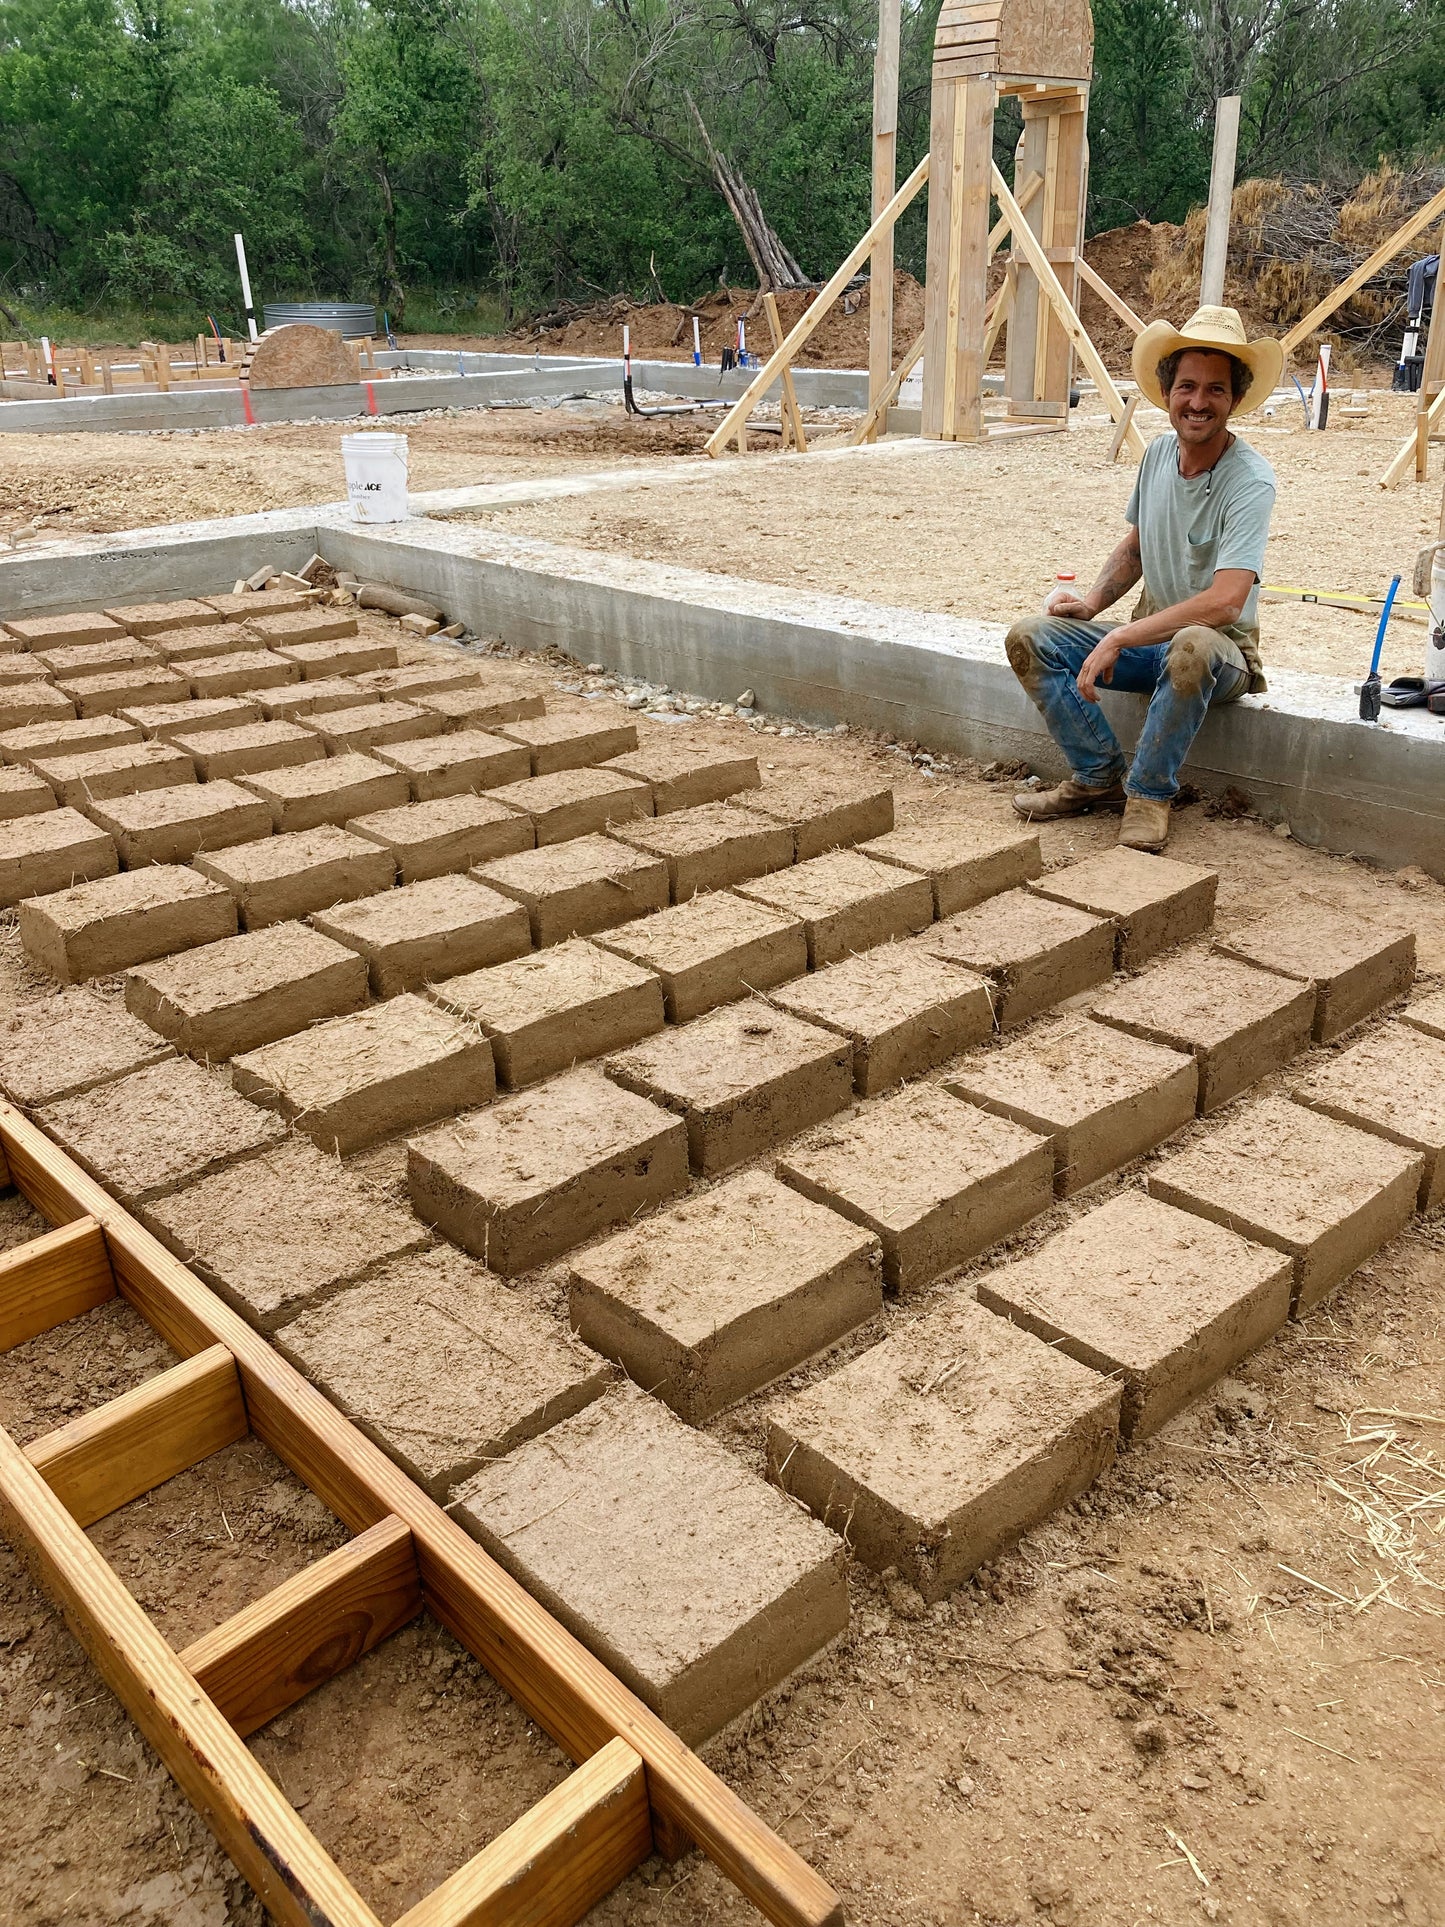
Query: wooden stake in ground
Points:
[1221, 197]
[792, 416]
[885, 178]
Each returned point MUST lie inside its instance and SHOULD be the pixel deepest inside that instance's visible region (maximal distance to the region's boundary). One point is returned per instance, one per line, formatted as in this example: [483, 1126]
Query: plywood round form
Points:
[298, 356]
[1016, 40]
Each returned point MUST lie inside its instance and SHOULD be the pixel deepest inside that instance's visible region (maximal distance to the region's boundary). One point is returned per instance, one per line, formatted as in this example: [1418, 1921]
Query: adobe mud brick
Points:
[534, 1174]
[823, 811]
[441, 837]
[291, 702]
[160, 618]
[123, 689]
[1161, 1299]
[33, 702]
[441, 1366]
[466, 759]
[1325, 1193]
[358, 1079]
[283, 1231]
[69, 1043]
[65, 737]
[173, 825]
[1393, 1084]
[1152, 901]
[157, 1129]
[1099, 1095]
[694, 1582]
[17, 667]
[97, 658]
[940, 1447]
[242, 672]
[569, 741]
[903, 1012]
[713, 950]
[182, 646]
[164, 722]
[55, 632]
[1034, 953]
[709, 847]
[574, 802]
[682, 778]
[484, 705]
[718, 1295]
[98, 928]
[246, 991]
[966, 862]
[330, 792]
[44, 853]
[846, 902]
[558, 1007]
[346, 657]
[1356, 964]
[412, 679]
[370, 724]
[744, 1078]
[935, 1180]
[421, 931]
[1239, 1023]
[250, 748]
[23, 794]
[1427, 1014]
[258, 602]
[280, 877]
[576, 888]
[96, 774]
[304, 628]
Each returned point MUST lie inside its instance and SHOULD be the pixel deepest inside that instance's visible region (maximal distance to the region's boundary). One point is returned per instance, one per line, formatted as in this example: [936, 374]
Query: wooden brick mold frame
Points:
[637, 1789]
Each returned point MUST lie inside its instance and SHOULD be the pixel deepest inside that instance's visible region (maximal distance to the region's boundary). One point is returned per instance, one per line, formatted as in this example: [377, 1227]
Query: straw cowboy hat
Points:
[1219, 328]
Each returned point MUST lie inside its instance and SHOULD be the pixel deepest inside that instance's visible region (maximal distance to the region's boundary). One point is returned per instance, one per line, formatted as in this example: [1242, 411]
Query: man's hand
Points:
[1066, 602]
[1098, 667]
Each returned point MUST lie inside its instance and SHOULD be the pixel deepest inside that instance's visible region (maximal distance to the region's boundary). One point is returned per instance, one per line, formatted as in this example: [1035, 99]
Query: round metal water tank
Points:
[351, 318]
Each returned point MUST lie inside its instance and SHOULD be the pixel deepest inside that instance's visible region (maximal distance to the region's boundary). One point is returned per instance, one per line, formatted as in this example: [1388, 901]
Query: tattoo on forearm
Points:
[1122, 570]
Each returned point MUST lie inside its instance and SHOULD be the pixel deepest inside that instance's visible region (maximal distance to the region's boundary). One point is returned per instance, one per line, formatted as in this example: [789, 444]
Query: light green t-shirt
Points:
[1190, 529]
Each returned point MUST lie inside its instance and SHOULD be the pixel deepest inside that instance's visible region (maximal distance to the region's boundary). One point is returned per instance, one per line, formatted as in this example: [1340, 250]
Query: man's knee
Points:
[1024, 646]
[1196, 656]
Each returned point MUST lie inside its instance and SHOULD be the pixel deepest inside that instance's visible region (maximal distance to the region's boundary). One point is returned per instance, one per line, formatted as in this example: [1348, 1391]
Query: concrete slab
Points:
[537, 1173]
[940, 1447]
[485, 705]
[546, 1012]
[55, 632]
[63, 1045]
[579, 887]
[1161, 1299]
[712, 950]
[370, 724]
[173, 825]
[161, 618]
[241, 671]
[290, 702]
[156, 1129]
[934, 1179]
[33, 702]
[1324, 1193]
[464, 760]
[1239, 1023]
[714, 1297]
[1034, 953]
[1153, 902]
[682, 778]
[48, 852]
[574, 802]
[280, 877]
[329, 792]
[709, 847]
[362, 1078]
[284, 1231]
[96, 774]
[744, 1078]
[65, 737]
[904, 1013]
[1356, 964]
[164, 722]
[96, 658]
[480, 1371]
[420, 932]
[346, 657]
[1100, 1096]
[22, 793]
[441, 837]
[95, 929]
[846, 902]
[250, 748]
[823, 811]
[571, 740]
[1391, 1083]
[116, 689]
[695, 1583]
[236, 995]
[1427, 1014]
[966, 861]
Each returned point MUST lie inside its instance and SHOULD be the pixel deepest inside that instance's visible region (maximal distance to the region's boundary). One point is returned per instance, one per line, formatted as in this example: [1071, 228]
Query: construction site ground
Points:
[1165, 1703]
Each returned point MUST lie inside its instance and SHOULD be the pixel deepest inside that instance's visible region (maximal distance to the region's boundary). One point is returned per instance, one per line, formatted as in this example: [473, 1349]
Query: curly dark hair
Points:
[1239, 375]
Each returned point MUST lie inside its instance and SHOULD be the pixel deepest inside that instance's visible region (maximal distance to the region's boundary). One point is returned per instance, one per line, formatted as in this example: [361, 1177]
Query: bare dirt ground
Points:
[1165, 1704]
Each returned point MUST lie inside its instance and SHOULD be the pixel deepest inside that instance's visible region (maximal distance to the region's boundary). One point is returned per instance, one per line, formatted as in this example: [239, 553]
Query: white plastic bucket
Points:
[376, 475]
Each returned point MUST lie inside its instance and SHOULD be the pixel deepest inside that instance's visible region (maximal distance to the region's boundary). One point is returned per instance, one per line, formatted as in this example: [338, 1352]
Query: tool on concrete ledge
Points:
[1370, 694]
[1420, 692]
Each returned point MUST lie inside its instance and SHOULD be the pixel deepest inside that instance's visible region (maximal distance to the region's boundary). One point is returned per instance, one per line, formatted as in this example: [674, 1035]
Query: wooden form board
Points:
[649, 1791]
[885, 179]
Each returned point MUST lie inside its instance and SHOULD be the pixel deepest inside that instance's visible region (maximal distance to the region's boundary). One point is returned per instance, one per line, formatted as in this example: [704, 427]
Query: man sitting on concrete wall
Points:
[1198, 521]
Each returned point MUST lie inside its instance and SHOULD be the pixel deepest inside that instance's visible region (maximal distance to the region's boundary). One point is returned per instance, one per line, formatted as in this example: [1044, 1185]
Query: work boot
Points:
[1145, 825]
[1069, 798]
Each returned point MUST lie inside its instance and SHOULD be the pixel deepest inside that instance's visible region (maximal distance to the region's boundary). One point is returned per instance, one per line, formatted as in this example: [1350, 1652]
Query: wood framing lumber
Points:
[313, 1626]
[555, 1863]
[885, 179]
[51, 1279]
[803, 328]
[878, 410]
[1000, 308]
[291, 1874]
[105, 1458]
[791, 414]
[1107, 295]
[1078, 334]
[1221, 200]
[1123, 425]
[1405, 455]
[552, 1676]
[1387, 250]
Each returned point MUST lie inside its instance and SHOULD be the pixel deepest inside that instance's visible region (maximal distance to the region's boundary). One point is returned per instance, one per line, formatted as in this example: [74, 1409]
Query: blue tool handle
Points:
[1390, 595]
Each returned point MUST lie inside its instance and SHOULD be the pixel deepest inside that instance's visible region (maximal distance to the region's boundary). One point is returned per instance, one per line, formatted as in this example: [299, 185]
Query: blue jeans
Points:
[1181, 678]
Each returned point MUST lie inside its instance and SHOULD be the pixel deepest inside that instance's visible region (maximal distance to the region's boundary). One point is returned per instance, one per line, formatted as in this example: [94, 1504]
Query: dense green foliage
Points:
[531, 151]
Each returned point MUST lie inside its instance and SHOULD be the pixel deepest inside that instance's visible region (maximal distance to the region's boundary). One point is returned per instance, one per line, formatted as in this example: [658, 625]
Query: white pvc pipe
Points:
[245, 286]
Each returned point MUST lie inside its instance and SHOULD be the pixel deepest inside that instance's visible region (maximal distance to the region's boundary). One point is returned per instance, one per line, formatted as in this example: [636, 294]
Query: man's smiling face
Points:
[1202, 396]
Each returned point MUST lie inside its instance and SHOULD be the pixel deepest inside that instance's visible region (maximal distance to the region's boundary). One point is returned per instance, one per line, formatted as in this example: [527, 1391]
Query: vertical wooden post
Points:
[956, 294]
[1432, 372]
[1021, 353]
[885, 179]
[789, 414]
[1221, 194]
[1062, 234]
